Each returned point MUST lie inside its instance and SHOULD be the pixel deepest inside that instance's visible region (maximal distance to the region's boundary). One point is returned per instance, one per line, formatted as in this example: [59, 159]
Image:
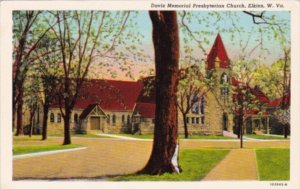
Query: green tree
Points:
[191, 89]
[28, 33]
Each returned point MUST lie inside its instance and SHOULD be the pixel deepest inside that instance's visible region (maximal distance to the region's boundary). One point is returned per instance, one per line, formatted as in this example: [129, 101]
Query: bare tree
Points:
[78, 48]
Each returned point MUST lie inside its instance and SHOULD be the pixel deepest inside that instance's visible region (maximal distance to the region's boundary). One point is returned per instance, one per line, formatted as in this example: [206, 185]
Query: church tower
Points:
[218, 71]
[218, 68]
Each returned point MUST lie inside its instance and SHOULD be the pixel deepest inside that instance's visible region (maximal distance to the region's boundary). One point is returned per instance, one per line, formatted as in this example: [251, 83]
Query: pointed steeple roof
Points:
[218, 52]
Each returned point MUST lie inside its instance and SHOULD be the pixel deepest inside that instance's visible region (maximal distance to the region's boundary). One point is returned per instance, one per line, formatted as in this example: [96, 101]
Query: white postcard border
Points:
[6, 96]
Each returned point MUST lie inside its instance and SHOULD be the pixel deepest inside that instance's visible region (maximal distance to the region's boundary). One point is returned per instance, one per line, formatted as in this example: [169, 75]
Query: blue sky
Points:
[211, 24]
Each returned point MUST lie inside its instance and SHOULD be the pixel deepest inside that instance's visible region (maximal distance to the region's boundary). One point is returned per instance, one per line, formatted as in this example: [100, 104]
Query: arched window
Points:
[58, 117]
[108, 119]
[128, 119]
[52, 117]
[123, 118]
[196, 104]
[202, 105]
[224, 87]
[224, 78]
[76, 118]
[114, 119]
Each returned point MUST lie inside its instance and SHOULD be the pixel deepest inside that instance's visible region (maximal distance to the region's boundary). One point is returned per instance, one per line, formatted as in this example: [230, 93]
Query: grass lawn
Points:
[194, 163]
[273, 163]
[17, 150]
[265, 137]
[150, 136]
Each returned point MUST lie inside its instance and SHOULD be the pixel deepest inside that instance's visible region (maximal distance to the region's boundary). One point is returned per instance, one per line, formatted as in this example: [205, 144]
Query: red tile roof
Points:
[260, 96]
[218, 51]
[277, 102]
[108, 94]
[147, 110]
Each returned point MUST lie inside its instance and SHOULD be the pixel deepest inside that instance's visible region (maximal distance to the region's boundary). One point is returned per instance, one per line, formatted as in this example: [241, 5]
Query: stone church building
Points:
[110, 106]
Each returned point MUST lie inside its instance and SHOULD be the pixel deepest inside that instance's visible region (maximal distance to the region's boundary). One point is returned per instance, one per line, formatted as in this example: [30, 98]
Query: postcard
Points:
[143, 94]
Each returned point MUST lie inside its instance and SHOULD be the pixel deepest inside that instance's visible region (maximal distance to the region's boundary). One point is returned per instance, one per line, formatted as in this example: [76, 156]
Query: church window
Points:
[123, 118]
[195, 108]
[202, 105]
[224, 78]
[128, 119]
[224, 86]
[52, 117]
[197, 120]
[193, 120]
[202, 120]
[108, 119]
[187, 120]
[114, 119]
[58, 117]
[76, 118]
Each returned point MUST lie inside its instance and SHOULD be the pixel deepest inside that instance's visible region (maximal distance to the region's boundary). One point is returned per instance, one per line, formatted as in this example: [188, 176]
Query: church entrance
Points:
[95, 123]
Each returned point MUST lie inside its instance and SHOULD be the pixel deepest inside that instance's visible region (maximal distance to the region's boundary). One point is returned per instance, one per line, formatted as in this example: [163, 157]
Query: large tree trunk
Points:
[20, 114]
[67, 135]
[45, 121]
[166, 45]
[186, 132]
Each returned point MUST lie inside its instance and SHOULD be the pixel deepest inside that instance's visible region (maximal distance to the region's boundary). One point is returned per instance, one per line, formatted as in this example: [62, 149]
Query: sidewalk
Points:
[123, 137]
[34, 154]
[239, 164]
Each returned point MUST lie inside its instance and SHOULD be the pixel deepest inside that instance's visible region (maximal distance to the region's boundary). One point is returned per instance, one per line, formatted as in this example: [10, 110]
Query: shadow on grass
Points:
[195, 165]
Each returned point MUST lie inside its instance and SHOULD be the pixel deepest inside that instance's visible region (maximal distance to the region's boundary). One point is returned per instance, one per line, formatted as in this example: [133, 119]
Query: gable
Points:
[91, 110]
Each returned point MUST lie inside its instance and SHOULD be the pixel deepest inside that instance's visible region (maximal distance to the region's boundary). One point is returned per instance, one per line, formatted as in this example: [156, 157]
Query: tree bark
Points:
[45, 120]
[186, 132]
[20, 114]
[166, 46]
[67, 135]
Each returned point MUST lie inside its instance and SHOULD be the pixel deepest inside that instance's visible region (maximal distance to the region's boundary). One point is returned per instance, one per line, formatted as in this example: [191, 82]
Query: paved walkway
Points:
[102, 157]
[34, 154]
[123, 137]
[239, 164]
